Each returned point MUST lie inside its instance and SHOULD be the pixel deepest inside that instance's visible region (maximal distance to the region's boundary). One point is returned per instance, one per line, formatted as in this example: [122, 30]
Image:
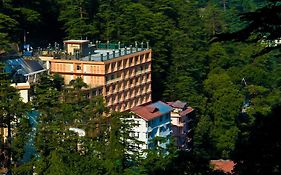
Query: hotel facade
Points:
[121, 76]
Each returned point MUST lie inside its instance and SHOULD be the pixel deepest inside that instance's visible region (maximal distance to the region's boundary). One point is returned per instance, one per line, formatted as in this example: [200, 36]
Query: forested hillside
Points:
[232, 82]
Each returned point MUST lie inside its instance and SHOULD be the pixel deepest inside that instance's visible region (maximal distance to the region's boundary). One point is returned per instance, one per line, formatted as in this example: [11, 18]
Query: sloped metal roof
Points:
[23, 67]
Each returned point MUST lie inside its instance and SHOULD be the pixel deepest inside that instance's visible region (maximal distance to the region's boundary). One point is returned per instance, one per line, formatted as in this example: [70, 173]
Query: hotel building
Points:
[121, 76]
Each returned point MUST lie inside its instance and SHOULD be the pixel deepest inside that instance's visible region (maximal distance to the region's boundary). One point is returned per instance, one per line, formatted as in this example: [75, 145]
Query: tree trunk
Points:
[9, 143]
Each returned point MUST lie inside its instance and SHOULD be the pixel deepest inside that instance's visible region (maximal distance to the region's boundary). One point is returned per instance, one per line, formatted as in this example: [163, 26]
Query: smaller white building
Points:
[152, 121]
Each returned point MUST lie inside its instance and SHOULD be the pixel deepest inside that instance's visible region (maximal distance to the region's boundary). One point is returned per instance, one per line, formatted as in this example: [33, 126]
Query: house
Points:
[122, 76]
[24, 73]
[153, 120]
[181, 119]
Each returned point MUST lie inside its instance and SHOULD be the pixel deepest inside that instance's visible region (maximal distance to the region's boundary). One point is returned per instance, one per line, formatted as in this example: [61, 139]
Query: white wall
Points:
[141, 131]
[24, 95]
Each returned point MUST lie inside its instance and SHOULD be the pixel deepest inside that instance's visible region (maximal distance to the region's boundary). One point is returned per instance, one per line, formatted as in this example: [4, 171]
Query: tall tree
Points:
[11, 108]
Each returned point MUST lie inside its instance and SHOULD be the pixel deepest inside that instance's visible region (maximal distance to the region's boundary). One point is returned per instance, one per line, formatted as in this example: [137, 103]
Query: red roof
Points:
[148, 112]
[187, 111]
[223, 165]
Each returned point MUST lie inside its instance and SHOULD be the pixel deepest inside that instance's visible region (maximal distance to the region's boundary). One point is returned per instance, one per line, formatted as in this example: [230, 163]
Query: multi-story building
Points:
[122, 76]
[152, 121]
[181, 118]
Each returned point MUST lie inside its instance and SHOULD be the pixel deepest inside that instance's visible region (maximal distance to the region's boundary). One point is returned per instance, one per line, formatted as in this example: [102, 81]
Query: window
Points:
[119, 64]
[141, 57]
[112, 66]
[149, 135]
[147, 55]
[124, 62]
[136, 59]
[146, 67]
[78, 67]
[141, 90]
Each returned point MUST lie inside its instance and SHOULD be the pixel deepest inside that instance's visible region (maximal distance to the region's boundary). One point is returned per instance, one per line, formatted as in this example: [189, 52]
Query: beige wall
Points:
[91, 72]
[126, 80]
[70, 48]
[81, 47]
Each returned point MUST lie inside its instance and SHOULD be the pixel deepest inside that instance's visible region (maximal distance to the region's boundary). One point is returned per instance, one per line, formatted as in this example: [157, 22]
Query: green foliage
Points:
[12, 109]
[225, 106]
[76, 19]
[223, 82]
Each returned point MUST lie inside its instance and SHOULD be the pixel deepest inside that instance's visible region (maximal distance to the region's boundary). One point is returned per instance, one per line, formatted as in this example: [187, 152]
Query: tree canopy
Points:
[216, 55]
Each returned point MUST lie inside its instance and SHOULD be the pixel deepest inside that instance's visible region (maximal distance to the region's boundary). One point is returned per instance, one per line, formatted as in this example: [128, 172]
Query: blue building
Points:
[154, 121]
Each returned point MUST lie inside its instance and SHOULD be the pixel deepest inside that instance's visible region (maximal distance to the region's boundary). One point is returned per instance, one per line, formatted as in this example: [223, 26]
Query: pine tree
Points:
[11, 108]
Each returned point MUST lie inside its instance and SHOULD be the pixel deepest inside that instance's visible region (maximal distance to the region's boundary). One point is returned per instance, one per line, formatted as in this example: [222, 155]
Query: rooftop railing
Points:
[100, 51]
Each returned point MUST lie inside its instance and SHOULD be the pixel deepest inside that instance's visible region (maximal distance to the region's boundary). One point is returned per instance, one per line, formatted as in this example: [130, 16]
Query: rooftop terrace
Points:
[97, 52]
[108, 54]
